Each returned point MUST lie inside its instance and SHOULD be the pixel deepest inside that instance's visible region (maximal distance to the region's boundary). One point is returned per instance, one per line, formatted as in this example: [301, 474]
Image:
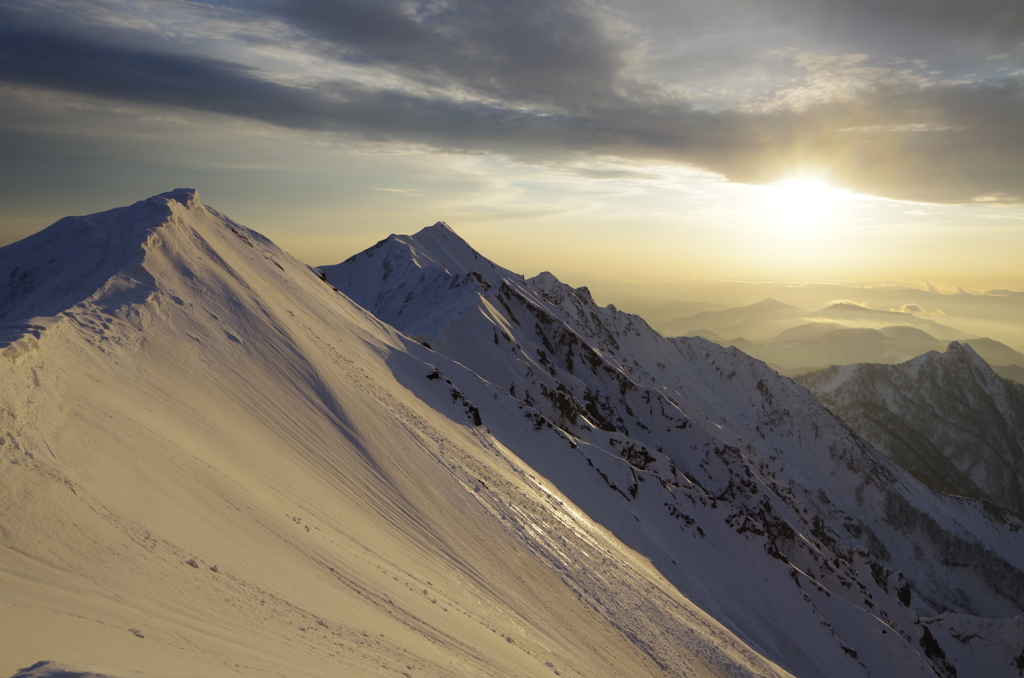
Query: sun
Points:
[803, 204]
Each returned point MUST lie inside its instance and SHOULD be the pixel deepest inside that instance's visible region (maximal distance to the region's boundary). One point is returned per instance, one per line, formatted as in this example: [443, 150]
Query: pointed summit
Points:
[956, 353]
[415, 282]
[90, 249]
[79, 257]
[849, 307]
[958, 348]
[439, 245]
[964, 354]
[189, 197]
[770, 304]
[441, 226]
[395, 278]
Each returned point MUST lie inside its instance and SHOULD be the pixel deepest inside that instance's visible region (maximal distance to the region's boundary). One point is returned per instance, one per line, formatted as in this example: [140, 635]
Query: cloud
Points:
[527, 50]
[917, 309]
[554, 82]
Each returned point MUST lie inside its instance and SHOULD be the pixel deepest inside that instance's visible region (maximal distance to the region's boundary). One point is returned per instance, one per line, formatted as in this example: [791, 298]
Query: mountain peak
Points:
[770, 304]
[965, 353]
[440, 226]
[439, 246]
[402, 277]
[847, 306]
[956, 348]
[544, 280]
[439, 231]
[189, 197]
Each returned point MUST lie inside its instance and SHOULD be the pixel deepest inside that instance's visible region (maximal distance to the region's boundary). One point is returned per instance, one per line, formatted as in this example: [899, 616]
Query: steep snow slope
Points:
[742, 489]
[947, 417]
[210, 465]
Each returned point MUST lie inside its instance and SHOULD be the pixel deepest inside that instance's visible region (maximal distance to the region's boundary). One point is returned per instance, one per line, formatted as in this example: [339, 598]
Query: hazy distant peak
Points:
[850, 306]
[963, 352]
[946, 416]
[957, 348]
[546, 283]
[770, 304]
[906, 332]
[958, 358]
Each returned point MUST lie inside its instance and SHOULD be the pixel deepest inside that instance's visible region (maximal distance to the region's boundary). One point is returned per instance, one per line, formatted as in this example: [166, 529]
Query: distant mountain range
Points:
[841, 334]
[947, 417]
[846, 346]
[762, 320]
[867, 317]
[1011, 372]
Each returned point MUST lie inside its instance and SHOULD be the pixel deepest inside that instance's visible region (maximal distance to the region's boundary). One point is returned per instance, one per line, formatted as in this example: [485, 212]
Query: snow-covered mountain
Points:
[713, 466]
[947, 417]
[214, 464]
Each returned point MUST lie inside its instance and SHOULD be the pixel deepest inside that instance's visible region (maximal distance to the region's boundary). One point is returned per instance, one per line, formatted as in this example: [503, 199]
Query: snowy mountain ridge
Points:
[209, 465]
[444, 264]
[946, 416]
[734, 450]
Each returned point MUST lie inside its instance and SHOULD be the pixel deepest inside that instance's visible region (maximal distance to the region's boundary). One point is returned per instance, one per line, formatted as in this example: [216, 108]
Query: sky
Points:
[638, 141]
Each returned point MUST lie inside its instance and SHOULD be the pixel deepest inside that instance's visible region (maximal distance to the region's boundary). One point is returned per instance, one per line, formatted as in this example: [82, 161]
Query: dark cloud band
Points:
[562, 89]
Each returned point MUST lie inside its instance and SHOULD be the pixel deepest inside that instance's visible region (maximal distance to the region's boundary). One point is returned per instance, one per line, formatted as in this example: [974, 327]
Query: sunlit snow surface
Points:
[211, 465]
[750, 497]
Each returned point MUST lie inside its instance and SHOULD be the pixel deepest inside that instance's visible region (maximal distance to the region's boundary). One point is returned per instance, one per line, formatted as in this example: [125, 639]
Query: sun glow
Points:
[806, 204]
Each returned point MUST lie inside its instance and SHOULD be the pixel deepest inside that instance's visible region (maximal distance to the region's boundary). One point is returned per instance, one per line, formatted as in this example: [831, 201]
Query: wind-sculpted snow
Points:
[211, 464]
[947, 417]
[707, 462]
